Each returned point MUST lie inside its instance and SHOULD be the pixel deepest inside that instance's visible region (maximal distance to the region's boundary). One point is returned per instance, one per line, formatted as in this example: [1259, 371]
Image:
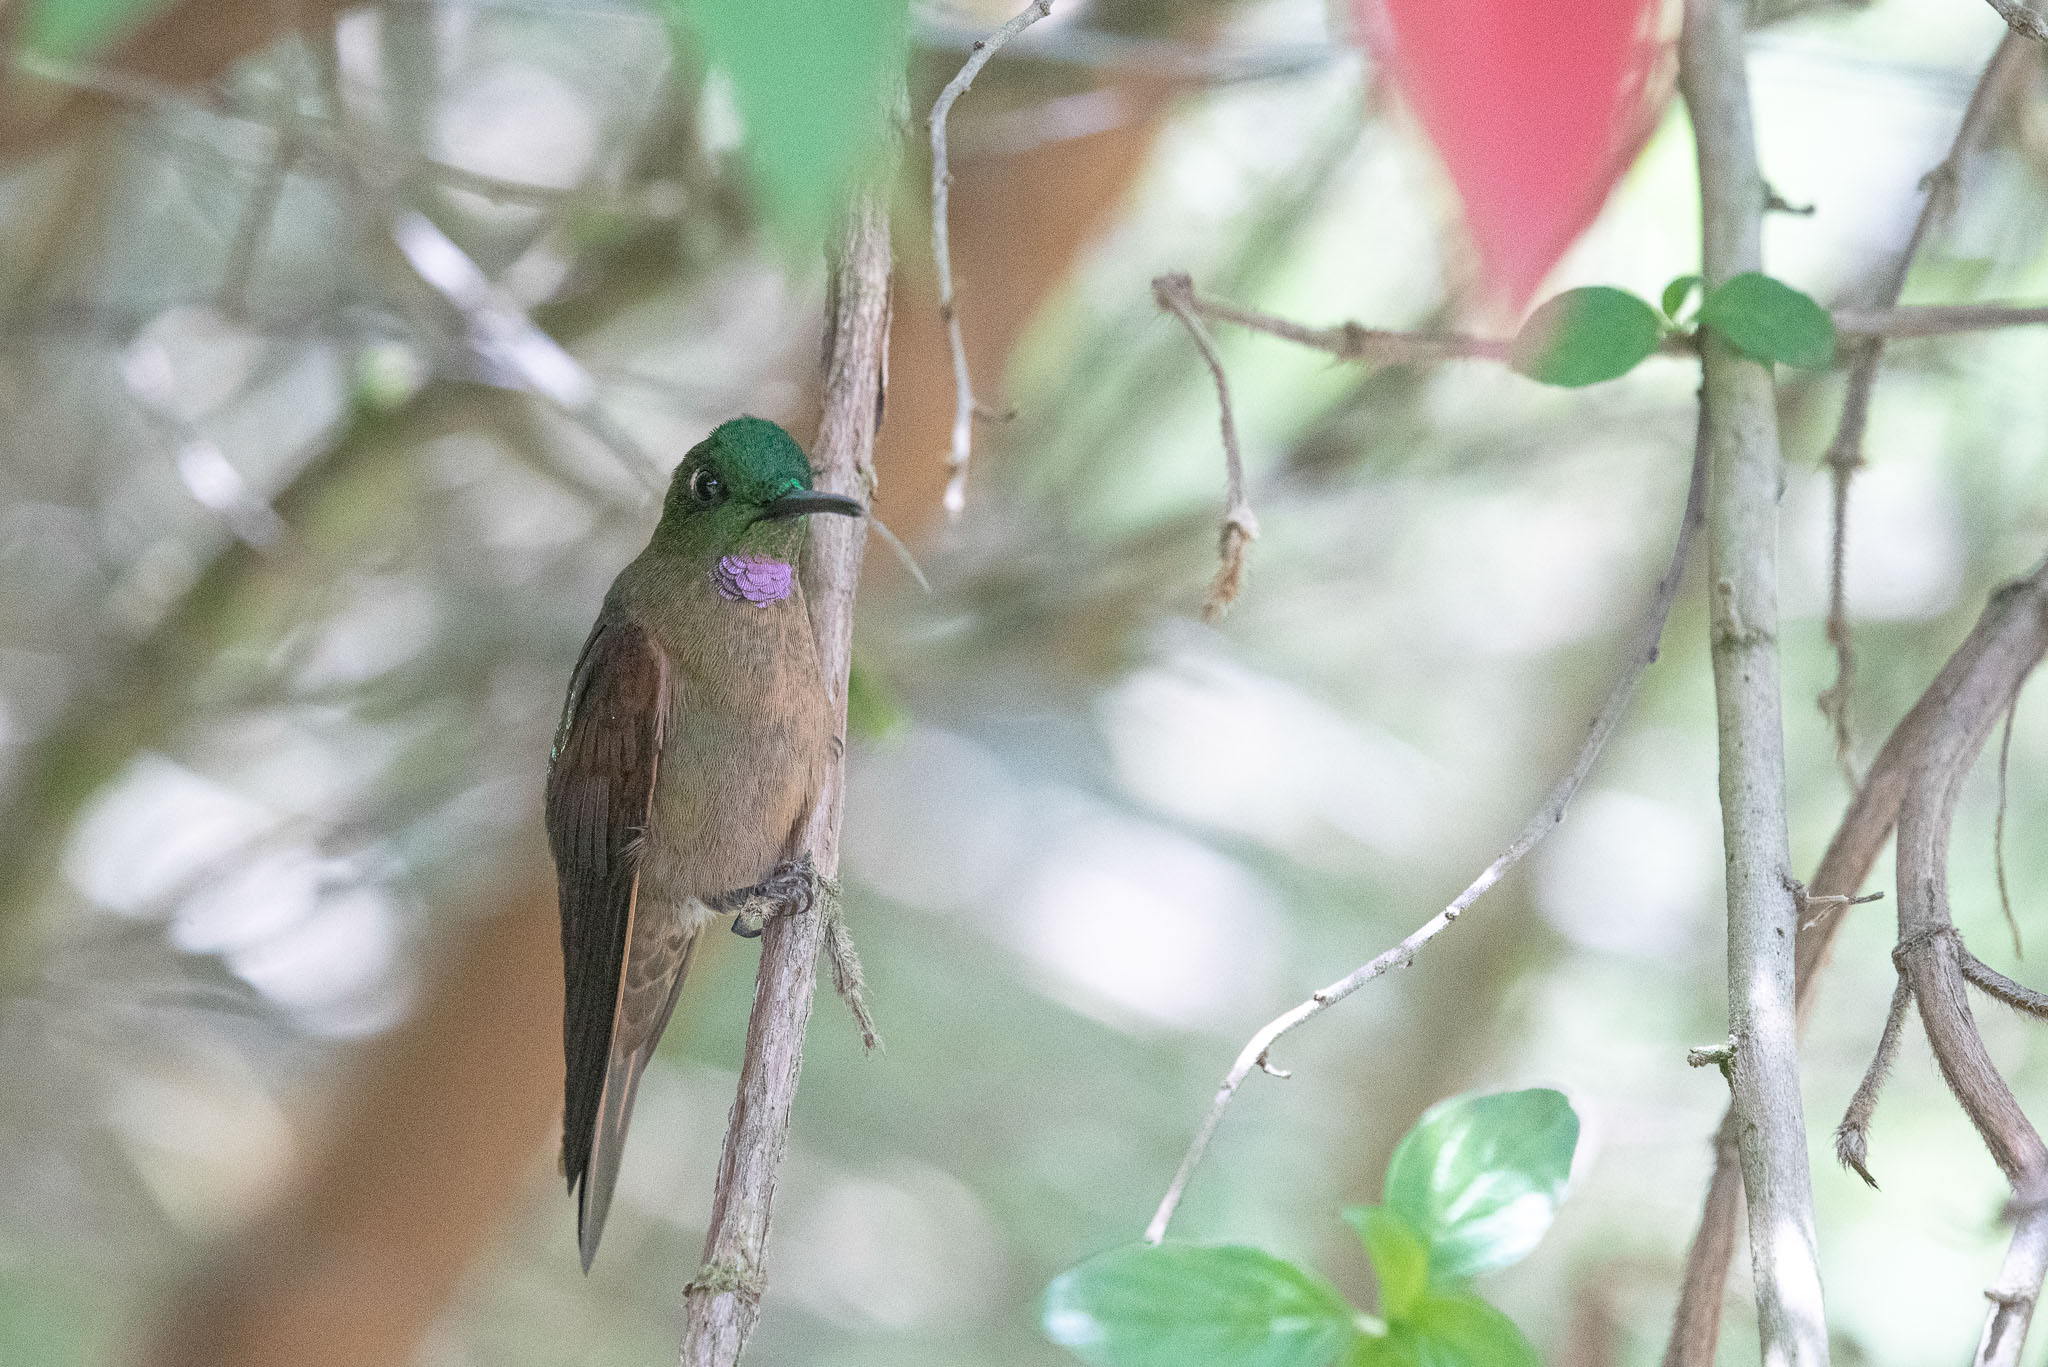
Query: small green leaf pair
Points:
[1471, 1189]
[1585, 336]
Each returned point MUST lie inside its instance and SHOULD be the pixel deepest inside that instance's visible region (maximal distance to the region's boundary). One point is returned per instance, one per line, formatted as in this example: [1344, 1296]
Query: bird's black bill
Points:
[812, 501]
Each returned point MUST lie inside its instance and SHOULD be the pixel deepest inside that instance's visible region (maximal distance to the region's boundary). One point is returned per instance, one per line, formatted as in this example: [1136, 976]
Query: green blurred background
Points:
[291, 583]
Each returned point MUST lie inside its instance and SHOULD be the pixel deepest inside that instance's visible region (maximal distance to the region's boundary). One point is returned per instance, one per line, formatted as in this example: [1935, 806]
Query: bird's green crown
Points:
[749, 461]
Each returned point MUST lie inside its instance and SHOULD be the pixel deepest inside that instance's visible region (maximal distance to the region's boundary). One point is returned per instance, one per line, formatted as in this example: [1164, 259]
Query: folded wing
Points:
[623, 959]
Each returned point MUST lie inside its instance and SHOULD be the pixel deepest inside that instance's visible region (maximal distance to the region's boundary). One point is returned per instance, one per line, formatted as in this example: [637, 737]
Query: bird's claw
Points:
[790, 888]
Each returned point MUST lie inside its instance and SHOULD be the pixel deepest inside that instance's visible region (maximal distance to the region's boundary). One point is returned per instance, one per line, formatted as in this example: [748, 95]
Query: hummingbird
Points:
[691, 749]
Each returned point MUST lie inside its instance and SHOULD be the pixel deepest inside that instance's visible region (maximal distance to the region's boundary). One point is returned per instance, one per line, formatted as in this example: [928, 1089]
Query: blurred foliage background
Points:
[294, 576]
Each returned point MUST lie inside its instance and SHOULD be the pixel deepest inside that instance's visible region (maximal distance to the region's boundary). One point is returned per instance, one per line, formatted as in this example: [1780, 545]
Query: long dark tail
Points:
[594, 1185]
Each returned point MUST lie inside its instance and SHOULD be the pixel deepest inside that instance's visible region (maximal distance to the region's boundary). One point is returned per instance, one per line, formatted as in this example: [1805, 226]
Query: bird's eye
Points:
[706, 487]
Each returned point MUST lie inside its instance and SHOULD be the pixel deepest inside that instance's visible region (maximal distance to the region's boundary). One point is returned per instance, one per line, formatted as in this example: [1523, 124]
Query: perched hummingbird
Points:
[689, 753]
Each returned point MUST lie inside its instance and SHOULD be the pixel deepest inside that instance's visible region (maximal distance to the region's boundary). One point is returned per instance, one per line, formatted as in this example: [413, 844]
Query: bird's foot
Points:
[790, 888]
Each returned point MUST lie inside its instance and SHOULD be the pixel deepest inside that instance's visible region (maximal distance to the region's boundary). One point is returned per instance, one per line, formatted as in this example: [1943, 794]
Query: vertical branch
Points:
[1739, 413]
[1845, 452]
[722, 1303]
[964, 406]
[1176, 295]
[1858, 840]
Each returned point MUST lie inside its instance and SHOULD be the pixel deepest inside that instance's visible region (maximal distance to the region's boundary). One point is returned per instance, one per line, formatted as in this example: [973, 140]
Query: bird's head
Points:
[744, 491]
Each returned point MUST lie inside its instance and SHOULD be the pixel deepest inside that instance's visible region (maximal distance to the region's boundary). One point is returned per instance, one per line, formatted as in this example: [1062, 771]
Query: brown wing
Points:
[600, 795]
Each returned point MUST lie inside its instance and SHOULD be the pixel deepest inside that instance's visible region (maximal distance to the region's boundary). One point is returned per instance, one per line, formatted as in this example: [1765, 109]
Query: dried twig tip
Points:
[1852, 1147]
[1239, 531]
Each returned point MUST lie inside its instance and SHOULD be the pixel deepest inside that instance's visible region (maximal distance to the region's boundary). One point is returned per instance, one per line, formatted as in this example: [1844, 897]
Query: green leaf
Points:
[811, 80]
[70, 29]
[1480, 1178]
[1584, 336]
[1770, 321]
[1399, 1257]
[1179, 1304]
[1447, 1331]
[1677, 292]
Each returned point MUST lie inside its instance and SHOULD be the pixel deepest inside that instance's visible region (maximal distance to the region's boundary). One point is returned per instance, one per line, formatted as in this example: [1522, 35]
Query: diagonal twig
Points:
[1642, 651]
[1852, 1136]
[965, 410]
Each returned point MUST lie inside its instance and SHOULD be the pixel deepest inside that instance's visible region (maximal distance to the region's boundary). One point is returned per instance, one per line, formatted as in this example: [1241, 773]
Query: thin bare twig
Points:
[1998, 833]
[1936, 320]
[1351, 341]
[722, 1302]
[2000, 988]
[849, 980]
[1642, 651]
[1845, 452]
[1852, 1136]
[965, 409]
[1175, 294]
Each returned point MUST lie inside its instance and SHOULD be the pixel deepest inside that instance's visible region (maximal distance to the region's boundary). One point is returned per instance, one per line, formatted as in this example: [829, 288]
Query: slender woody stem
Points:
[1176, 294]
[1739, 416]
[1858, 840]
[964, 407]
[1845, 452]
[723, 1301]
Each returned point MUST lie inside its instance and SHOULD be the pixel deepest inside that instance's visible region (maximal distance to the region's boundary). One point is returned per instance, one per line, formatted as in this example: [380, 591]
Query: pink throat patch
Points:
[752, 578]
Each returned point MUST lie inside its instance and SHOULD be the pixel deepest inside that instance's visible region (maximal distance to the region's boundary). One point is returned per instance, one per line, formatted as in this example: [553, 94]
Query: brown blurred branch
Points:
[965, 410]
[180, 44]
[431, 1135]
[723, 1301]
[1845, 452]
[1641, 653]
[1850, 856]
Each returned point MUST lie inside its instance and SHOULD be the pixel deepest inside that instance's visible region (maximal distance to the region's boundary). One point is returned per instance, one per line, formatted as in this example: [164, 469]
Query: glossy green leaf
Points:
[1447, 1331]
[811, 81]
[71, 29]
[1584, 336]
[1179, 1305]
[1677, 292]
[1769, 320]
[1399, 1257]
[1479, 1177]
